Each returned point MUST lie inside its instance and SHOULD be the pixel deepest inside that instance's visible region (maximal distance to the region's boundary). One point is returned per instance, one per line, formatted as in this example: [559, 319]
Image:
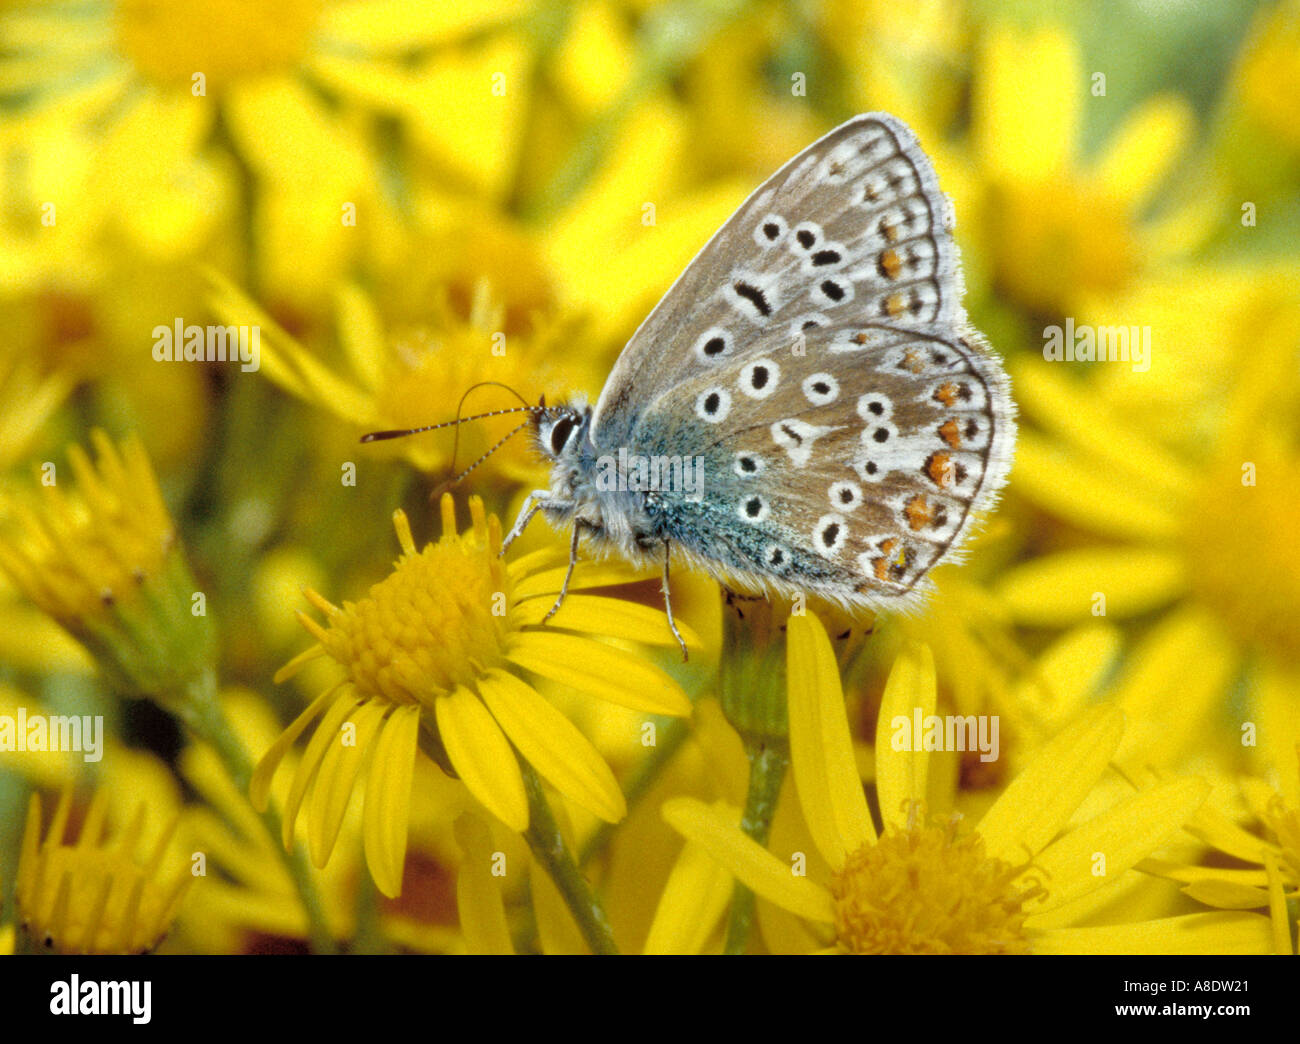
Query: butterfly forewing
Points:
[854, 226]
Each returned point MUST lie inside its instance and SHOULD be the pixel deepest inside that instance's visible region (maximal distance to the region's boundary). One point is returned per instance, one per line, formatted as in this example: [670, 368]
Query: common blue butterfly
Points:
[807, 408]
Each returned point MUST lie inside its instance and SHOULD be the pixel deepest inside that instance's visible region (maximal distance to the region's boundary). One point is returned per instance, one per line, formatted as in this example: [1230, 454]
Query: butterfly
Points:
[807, 409]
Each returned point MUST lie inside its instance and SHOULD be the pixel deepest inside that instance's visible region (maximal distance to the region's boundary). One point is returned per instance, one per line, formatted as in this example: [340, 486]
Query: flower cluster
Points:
[232, 243]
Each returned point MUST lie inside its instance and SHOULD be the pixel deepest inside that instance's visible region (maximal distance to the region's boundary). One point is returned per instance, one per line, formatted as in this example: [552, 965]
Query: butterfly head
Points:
[560, 431]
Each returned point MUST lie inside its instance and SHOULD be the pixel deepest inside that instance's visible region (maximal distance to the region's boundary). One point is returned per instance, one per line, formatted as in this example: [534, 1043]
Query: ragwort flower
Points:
[916, 887]
[445, 645]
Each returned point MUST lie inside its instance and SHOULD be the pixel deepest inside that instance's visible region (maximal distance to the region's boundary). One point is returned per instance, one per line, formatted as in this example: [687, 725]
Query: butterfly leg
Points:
[533, 503]
[573, 560]
[668, 605]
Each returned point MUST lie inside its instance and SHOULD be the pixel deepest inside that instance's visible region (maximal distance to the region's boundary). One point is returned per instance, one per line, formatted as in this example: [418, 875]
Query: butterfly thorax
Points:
[591, 488]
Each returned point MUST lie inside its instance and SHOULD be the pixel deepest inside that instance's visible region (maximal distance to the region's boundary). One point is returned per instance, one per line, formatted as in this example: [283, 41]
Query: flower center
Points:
[171, 40]
[923, 890]
[437, 621]
[1243, 556]
[1053, 241]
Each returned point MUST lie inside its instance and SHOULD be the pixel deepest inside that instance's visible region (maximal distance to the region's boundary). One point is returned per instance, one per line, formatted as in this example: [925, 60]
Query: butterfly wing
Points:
[855, 225]
[850, 471]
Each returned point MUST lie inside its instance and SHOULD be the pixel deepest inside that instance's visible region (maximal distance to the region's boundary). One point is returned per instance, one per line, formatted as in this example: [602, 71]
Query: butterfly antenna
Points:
[379, 436]
[397, 433]
[455, 443]
[446, 484]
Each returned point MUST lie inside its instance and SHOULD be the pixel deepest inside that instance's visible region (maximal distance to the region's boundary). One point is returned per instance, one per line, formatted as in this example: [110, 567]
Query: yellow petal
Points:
[285, 361]
[476, 140]
[598, 670]
[1040, 799]
[1173, 684]
[334, 782]
[1193, 933]
[1226, 895]
[481, 757]
[1069, 410]
[719, 835]
[607, 617]
[1068, 673]
[552, 745]
[821, 748]
[1021, 133]
[901, 774]
[557, 931]
[1063, 588]
[1088, 492]
[259, 788]
[398, 27]
[327, 732]
[1122, 835]
[310, 146]
[585, 574]
[1278, 714]
[691, 905]
[478, 894]
[1144, 148]
[1252, 878]
[386, 818]
[361, 332]
[1277, 909]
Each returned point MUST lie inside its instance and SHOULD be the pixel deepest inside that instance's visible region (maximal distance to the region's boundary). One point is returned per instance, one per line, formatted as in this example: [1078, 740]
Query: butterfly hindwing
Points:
[850, 470]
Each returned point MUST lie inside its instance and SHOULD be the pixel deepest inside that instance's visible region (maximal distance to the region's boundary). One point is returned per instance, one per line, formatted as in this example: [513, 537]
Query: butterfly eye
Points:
[560, 434]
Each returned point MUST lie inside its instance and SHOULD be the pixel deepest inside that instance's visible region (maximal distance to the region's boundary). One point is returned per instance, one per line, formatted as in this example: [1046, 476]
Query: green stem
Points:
[202, 713]
[552, 852]
[768, 757]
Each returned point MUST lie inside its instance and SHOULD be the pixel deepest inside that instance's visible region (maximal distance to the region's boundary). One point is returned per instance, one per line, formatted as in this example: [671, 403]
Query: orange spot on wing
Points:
[919, 512]
[891, 263]
[939, 469]
[895, 305]
[947, 393]
[950, 433]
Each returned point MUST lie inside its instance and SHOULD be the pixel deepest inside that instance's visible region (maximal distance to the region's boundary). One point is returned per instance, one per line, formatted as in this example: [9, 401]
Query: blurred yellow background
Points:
[408, 198]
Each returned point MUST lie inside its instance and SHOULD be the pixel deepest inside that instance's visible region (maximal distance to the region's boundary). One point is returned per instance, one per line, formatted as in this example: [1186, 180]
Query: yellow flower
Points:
[1270, 852]
[1268, 76]
[1055, 227]
[1197, 528]
[91, 896]
[28, 397]
[194, 131]
[443, 645]
[107, 565]
[413, 376]
[916, 887]
[908, 60]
